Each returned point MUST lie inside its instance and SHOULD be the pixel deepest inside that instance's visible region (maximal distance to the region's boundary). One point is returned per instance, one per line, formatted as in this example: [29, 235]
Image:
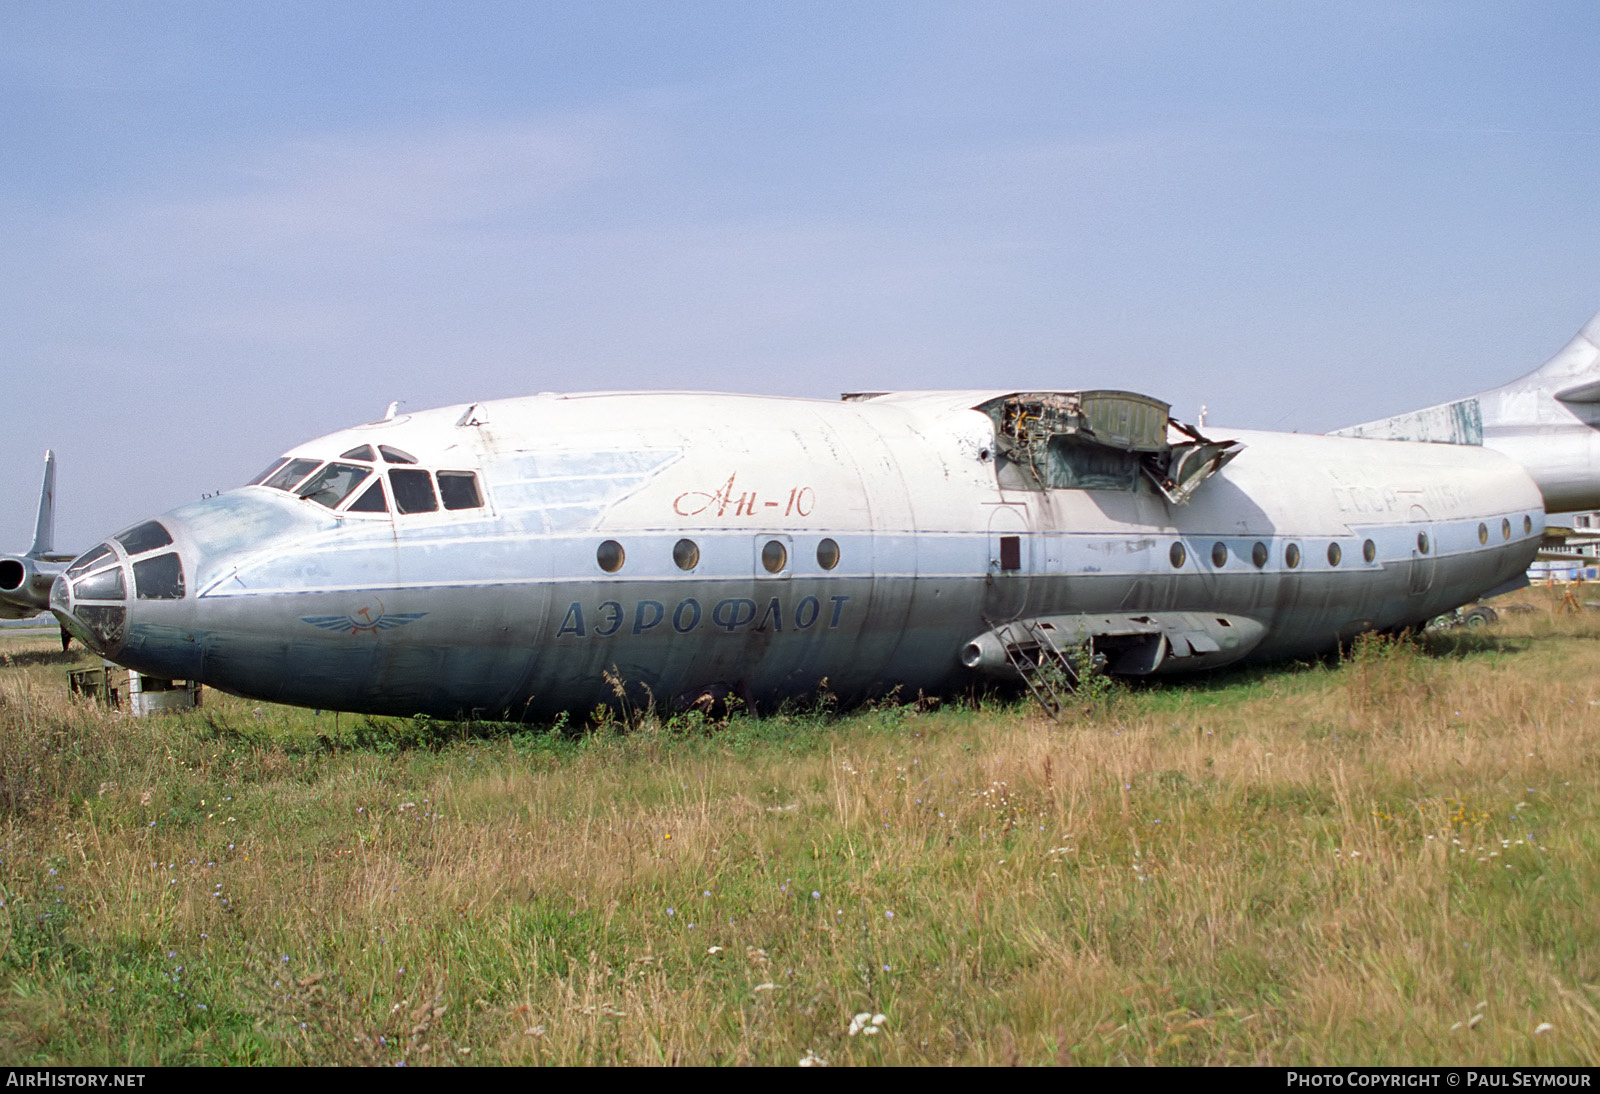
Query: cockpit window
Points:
[334, 483]
[88, 559]
[158, 578]
[395, 455]
[459, 490]
[105, 585]
[413, 491]
[362, 452]
[291, 474]
[273, 466]
[146, 537]
[370, 502]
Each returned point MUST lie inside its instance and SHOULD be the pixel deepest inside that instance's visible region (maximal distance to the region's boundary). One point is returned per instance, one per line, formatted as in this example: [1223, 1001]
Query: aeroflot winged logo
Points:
[370, 618]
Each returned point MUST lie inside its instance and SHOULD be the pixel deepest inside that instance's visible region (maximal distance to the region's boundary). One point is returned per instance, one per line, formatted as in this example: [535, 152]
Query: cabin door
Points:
[1423, 552]
[1010, 563]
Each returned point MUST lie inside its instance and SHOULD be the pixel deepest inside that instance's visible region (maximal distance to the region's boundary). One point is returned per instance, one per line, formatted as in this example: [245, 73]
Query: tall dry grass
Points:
[1389, 859]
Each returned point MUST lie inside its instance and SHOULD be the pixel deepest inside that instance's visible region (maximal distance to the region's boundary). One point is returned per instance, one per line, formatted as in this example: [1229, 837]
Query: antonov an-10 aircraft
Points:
[503, 559]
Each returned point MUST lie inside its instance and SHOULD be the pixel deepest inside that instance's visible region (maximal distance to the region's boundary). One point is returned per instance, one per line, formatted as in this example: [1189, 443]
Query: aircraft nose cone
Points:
[92, 605]
[109, 587]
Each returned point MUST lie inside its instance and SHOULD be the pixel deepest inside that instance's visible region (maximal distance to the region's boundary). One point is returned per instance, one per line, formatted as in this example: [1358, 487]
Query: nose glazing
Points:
[90, 600]
[93, 597]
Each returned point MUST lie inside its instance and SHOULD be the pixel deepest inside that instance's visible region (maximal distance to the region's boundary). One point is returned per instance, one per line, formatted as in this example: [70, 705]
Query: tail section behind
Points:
[1573, 374]
[44, 528]
[25, 580]
[1547, 420]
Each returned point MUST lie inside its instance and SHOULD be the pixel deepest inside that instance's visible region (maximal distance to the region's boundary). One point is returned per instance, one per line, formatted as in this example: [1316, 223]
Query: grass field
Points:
[1390, 859]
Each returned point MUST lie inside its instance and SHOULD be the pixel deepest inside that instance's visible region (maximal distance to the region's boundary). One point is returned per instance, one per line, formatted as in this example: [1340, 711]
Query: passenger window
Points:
[370, 502]
[686, 554]
[159, 578]
[334, 483]
[394, 455]
[459, 490]
[1258, 555]
[774, 557]
[413, 491]
[146, 537]
[291, 474]
[828, 554]
[610, 556]
[362, 452]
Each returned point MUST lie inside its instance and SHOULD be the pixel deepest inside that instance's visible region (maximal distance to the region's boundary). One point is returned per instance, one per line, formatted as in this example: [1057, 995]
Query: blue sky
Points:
[228, 228]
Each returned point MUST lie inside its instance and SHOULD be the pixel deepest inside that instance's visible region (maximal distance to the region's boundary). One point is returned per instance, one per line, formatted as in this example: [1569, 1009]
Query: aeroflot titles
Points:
[732, 614]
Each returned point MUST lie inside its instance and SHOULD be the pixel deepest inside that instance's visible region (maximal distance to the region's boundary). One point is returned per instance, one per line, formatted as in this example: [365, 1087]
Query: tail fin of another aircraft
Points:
[25, 580]
[1547, 420]
[44, 529]
[1573, 374]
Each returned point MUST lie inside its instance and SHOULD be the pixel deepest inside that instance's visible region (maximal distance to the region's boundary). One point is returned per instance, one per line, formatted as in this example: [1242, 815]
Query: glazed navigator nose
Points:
[93, 599]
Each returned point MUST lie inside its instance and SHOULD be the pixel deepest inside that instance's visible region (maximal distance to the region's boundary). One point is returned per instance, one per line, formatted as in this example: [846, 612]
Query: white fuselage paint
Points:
[503, 609]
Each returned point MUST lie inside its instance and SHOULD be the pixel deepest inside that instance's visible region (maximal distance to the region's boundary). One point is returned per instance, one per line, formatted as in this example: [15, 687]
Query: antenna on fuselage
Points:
[394, 408]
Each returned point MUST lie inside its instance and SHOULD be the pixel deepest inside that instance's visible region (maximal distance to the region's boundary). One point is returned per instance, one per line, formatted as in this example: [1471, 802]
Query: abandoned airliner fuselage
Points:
[502, 558]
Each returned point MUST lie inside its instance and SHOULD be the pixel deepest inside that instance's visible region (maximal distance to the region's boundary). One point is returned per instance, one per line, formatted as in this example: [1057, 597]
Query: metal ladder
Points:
[1049, 673]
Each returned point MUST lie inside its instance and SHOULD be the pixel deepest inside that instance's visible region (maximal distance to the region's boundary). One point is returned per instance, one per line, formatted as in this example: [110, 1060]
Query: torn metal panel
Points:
[1100, 440]
[1189, 465]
